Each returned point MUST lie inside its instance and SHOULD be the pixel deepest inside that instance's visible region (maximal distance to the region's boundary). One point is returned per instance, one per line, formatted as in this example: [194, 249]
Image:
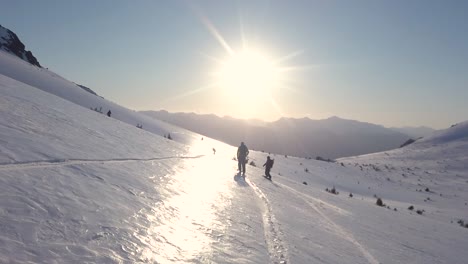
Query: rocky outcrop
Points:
[10, 42]
[88, 89]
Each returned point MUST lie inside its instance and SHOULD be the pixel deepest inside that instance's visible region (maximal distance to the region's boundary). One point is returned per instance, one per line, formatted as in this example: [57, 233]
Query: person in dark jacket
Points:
[268, 165]
[109, 113]
[242, 153]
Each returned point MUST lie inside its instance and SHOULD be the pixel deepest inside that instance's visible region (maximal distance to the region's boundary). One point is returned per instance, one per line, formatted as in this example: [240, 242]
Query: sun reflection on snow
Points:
[184, 224]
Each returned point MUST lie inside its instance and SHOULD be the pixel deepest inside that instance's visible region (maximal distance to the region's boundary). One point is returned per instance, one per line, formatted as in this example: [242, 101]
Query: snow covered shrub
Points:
[332, 190]
[252, 163]
[419, 212]
[411, 208]
[379, 202]
[306, 170]
[462, 223]
[99, 110]
[323, 159]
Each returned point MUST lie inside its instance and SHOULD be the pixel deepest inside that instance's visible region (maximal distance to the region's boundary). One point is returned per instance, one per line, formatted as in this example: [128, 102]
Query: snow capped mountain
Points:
[9, 42]
[79, 187]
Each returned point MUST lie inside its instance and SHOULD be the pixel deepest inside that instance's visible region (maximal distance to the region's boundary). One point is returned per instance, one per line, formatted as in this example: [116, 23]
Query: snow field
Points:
[77, 186]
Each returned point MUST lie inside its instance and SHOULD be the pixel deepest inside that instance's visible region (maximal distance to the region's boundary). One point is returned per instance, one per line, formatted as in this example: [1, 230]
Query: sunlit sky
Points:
[394, 63]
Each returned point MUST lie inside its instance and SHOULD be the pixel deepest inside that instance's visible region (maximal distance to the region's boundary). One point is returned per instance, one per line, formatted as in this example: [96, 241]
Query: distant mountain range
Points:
[328, 138]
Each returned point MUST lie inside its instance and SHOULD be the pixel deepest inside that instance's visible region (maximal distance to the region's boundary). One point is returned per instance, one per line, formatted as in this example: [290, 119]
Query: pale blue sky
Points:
[393, 63]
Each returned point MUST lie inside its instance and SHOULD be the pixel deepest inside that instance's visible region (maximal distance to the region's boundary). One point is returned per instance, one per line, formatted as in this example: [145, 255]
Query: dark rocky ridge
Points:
[10, 42]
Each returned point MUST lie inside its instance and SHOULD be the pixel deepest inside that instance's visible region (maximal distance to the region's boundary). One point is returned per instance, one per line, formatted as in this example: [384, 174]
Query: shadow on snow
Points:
[240, 180]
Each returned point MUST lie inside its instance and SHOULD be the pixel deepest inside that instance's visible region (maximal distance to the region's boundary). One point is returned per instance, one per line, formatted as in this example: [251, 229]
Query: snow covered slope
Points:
[30, 129]
[50, 82]
[446, 151]
[80, 187]
[76, 185]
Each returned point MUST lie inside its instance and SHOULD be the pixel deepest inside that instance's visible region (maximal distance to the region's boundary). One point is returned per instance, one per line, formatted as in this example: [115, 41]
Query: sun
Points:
[247, 72]
[248, 82]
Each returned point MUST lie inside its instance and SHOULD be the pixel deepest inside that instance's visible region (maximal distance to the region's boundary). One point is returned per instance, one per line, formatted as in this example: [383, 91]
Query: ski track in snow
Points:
[320, 201]
[69, 162]
[273, 235]
[339, 230]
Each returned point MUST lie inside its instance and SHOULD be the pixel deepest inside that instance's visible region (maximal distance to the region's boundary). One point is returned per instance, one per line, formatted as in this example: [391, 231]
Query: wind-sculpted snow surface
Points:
[79, 187]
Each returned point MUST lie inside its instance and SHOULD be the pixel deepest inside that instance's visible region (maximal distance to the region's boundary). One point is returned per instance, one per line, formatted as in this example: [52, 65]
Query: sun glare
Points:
[249, 72]
[247, 81]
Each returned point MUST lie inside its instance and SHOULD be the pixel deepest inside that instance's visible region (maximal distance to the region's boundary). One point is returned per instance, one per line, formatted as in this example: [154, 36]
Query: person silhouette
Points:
[242, 153]
[268, 165]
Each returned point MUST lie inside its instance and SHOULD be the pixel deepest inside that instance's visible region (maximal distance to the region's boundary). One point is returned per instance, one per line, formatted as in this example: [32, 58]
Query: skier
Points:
[268, 165]
[242, 153]
[109, 113]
